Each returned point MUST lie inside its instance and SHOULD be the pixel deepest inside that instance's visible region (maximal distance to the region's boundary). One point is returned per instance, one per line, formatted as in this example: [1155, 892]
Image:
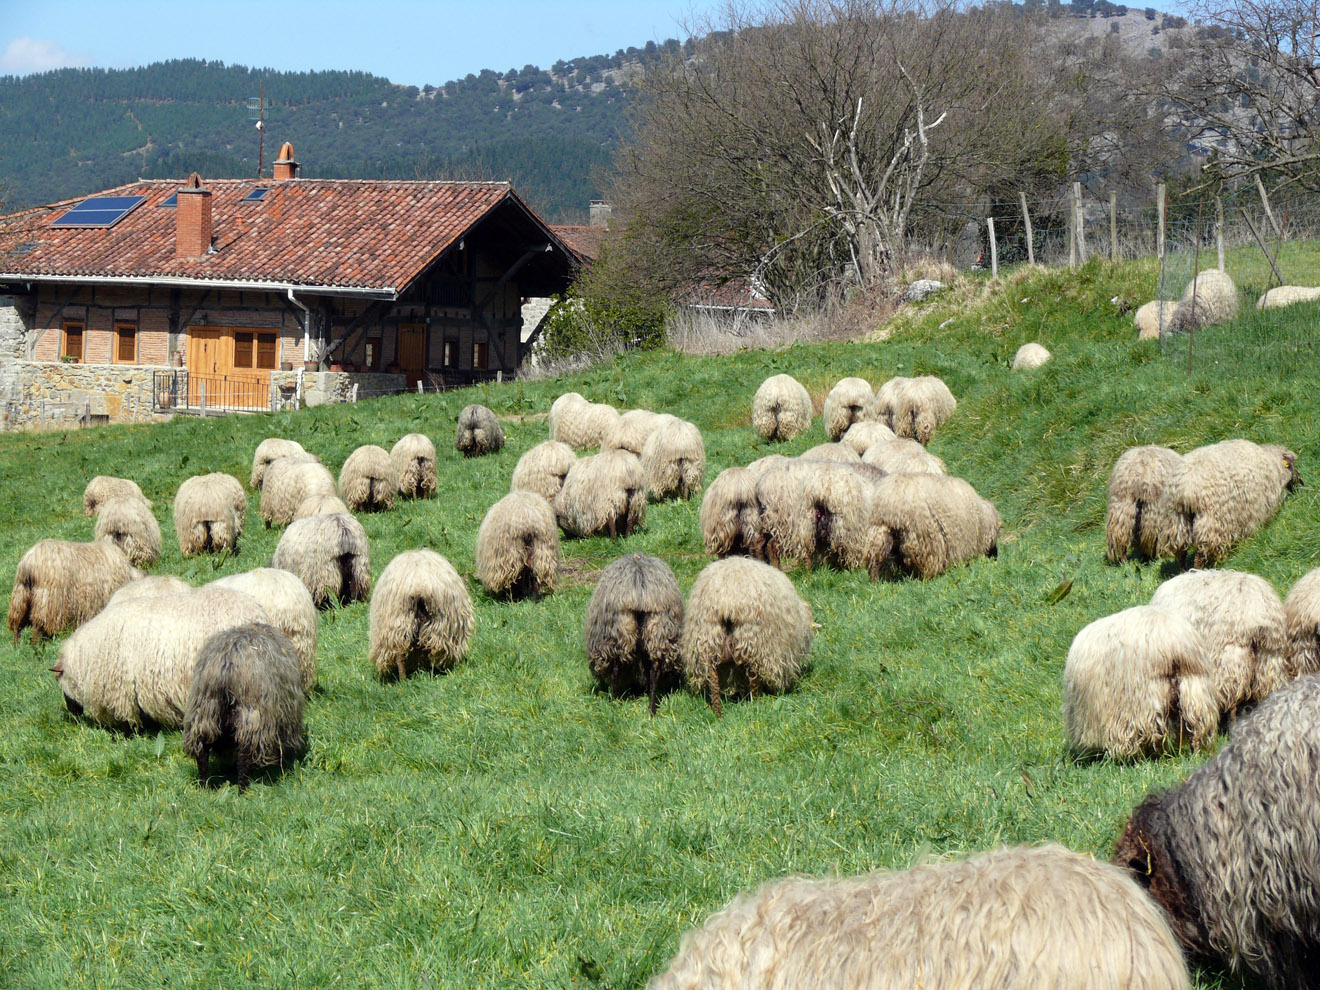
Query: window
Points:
[255, 350]
[480, 354]
[72, 345]
[371, 354]
[451, 352]
[125, 343]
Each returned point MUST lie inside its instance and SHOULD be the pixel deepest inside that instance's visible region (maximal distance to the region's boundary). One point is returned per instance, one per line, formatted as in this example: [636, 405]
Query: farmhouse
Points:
[250, 293]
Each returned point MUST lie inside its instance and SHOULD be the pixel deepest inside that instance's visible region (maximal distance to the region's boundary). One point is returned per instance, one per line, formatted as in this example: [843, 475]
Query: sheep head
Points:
[1143, 849]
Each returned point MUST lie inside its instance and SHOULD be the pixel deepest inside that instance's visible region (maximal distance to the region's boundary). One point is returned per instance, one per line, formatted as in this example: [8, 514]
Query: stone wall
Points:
[117, 393]
[325, 387]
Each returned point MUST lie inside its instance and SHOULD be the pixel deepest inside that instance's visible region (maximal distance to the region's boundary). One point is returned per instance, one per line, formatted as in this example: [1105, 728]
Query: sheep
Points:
[287, 483]
[674, 459]
[903, 456]
[289, 608]
[543, 468]
[781, 408]
[745, 630]
[131, 666]
[1029, 356]
[761, 465]
[1224, 493]
[840, 453]
[778, 497]
[421, 615]
[885, 402]
[1137, 681]
[209, 511]
[845, 405]
[330, 555]
[368, 481]
[127, 522]
[863, 435]
[272, 449]
[1138, 514]
[518, 547]
[478, 432]
[1302, 610]
[826, 513]
[921, 407]
[1230, 854]
[729, 516]
[145, 587]
[557, 409]
[60, 585]
[413, 458]
[1244, 626]
[631, 430]
[1029, 918]
[1287, 295]
[633, 621]
[1152, 317]
[246, 699]
[923, 524]
[319, 505]
[603, 492]
[1210, 299]
[104, 487]
[583, 425]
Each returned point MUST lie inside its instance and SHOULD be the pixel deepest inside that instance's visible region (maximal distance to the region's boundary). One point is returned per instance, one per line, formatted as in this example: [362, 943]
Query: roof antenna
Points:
[257, 112]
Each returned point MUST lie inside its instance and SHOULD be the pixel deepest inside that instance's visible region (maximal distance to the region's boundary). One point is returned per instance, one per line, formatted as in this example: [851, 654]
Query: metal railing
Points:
[187, 392]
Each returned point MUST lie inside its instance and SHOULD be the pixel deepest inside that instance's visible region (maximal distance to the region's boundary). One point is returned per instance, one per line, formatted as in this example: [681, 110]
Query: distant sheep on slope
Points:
[633, 622]
[674, 459]
[287, 483]
[60, 585]
[478, 432]
[1211, 298]
[1138, 513]
[289, 608]
[413, 459]
[209, 511]
[846, 404]
[1302, 609]
[103, 487]
[543, 468]
[330, 555]
[272, 449]
[861, 436]
[603, 493]
[127, 522]
[421, 615]
[518, 547]
[781, 408]
[367, 481]
[1029, 356]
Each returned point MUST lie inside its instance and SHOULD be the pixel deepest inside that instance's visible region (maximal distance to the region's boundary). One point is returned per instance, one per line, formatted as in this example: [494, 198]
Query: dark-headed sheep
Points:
[103, 487]
[413, 458]
[781, 408]
[633, 621]
[1138, 513]
[209, 511]
[603, 493]
[421, 615]
[543, 468]
[289, 608]
[478, 432]
[330, 555]
[288, 482]
[60, 585]
[367, 481]
[847, 403]
[272, 449]
[518, 547]
[127, 522]
[674, 459]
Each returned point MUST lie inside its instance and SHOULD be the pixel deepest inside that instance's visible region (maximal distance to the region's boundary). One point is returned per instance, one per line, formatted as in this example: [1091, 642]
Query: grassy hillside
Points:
[507, 824]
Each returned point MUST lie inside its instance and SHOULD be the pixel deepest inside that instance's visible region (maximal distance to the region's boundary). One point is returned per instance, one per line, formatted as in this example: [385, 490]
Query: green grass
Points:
[509, 825]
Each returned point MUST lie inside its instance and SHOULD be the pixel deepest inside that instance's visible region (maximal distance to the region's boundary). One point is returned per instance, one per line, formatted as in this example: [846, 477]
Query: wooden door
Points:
[206, 361]
[411, 352]
[231, 366]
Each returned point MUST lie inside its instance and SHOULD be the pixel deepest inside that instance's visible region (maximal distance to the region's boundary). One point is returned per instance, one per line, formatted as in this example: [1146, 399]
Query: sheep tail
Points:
[1121, 529]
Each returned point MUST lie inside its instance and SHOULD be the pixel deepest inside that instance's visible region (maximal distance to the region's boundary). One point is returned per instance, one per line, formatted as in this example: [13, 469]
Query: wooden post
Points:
[1219, 230]
[1072, 236]
[202, 386]
[1263, 249]
[499, 377]
[994, 248]
[1026, 219]
[1265, 202]
[1159, 233]
[419, 386]
[1113, 225]
[1081, 223]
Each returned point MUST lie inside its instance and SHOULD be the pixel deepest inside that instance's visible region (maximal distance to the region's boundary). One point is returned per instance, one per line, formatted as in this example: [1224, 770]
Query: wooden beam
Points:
[375, 309]
[503, 280]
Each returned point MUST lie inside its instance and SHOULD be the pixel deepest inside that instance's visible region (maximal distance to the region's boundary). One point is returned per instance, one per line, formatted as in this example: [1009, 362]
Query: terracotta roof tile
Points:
[584, 241]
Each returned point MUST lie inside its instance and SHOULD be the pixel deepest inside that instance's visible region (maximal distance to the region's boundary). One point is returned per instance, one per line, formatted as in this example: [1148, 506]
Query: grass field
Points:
[507, 824]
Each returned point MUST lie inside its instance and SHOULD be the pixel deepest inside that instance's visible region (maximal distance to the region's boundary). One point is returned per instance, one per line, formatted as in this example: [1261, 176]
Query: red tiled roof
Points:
[734, 294]
[584, 241]
[372, 235]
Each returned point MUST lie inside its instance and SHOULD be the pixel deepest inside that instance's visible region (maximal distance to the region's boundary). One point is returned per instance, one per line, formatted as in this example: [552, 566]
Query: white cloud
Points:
[24, 55]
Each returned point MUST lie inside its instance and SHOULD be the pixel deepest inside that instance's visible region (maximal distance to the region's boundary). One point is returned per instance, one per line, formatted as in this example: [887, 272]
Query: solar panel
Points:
[172, 201]
[98, 211]
[255, 195]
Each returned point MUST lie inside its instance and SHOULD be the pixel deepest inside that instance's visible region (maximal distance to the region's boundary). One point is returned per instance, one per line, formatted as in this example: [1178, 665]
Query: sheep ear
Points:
[58, 670]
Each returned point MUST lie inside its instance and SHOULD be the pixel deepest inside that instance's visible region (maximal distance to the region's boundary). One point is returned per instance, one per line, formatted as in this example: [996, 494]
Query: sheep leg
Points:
[653, 686]
[614, 532]
[243, 762]
[36, 636]
[402, 667]
[753, 683]
[714, 680]
[204, 765]
[1200, 559]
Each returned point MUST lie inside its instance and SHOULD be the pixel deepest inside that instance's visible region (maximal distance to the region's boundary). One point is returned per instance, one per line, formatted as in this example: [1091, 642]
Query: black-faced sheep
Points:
[287, 483]
[289, 608]
[367, 481]
[1029, 356]
[478, 432]
[518, 547]
[209, 511]
[1302, 610]
[745, 630]
[674, 459]
[921, 407]
[127, 522]
[903, 455]
[103, 487]
[603, 493]
[1230, 854]
[1138, 513]
[633, 622]
[272, 449]
[631, 430]
[60, 585]
[319, 505]
[543, 468]
[1026, 918]
[923, 524]
[1242, 621]
[413, 458]
[847, 403]
[1210, 298]
[330, 556]
[861, 436]
[729, 516]
[1137, 681]
[421, 615]
[781, 408]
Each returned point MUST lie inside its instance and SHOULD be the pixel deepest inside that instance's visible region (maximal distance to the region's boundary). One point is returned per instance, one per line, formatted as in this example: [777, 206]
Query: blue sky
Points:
[408, 41]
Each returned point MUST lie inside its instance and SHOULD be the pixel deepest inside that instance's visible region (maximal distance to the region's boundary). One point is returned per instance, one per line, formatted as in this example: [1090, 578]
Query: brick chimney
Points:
[285, 166]
[192, 217]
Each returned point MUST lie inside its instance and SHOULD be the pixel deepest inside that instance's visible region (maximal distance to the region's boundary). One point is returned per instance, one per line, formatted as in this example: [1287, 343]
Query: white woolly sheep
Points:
[1230, 854]
[246, 700]
[729, 516]
[674, 459]
[923, 524]
[209, 511]
[145, 587]
[289, 608]
[104, 487]
[320, 505]
[603, 493]
[1302, 610]
[781, 408]
[884, 405]
[543, 468]
[745, 630]
[1153, 317]
[131, 666]
[1137, 681]
[557, 408]
[903, 456]
[1287, 295]
[330, 555]
[367, 481]
[847, 403]
[827, 512]
[272, 449]
[761, 465]
[922, 406]
[861, 436]
[840, 453]
[60, 585]
[413, 458]
[1029, 356]
[1242, 621]
[631, 430]
[1026, 918]
[288, 482]
[518, 547]
[1138, 513]
[421, 615]
[633, 622]
[1210, 299]
[778, 497]
[583, 425]
[127, 522]
[478, 432]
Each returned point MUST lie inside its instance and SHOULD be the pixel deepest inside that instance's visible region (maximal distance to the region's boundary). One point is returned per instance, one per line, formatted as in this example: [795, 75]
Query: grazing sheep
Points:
[846, 404]
[132, 665]
[246, 699]
[319, 505]
[478, 432]
[1030, 356]
[1230, 854]
[413, 458]
[421, 615]
[1244, 627]
[778, 496]
[631, 430]
[1152, 317]
[127, 522]
[209, 511]
[145, 587]
[827, 512]
[903, 456]
[761, 465]
[921, 407]
[288, 482]
[1028, 918]
[543, 468]
[583, 425]
[863, 435]
[557, 409]
[781, 408]
[272, 449]
[1224, 493]
[104, 487]
[633, 622]
[60, 585]
[330, 555]
[289, 608]
[367, 481]
[745, 630]
[1302, 610]
[603, 493]
[1138, 513]
[674, 459]
[518, 547]
[1137, 681]
[885, 403]
[1287, 295]
[1210, 299]
[729, 516]
[840, 453]
[923, 524]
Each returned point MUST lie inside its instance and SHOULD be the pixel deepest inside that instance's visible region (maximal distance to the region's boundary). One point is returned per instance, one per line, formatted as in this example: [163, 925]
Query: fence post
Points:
[994, 248]
[1072, 236]
[202, 386]
[1081, 223]
[419, 386]
[1265, 202]
[1026, 219]
[1113, 225]
[1159, 234]
[1219, 230]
